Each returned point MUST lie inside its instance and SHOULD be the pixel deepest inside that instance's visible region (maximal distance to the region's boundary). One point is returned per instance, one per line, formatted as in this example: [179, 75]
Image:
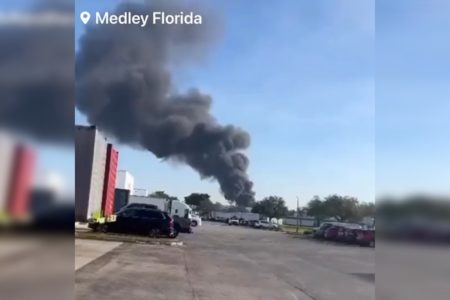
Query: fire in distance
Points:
[158, 17]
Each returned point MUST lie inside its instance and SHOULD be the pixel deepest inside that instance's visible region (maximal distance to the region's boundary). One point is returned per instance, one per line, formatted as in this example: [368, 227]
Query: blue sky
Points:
[299, 77]
[412, 92]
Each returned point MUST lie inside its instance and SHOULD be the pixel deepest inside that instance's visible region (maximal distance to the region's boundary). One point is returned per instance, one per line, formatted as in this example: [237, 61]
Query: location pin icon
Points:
[85, 16]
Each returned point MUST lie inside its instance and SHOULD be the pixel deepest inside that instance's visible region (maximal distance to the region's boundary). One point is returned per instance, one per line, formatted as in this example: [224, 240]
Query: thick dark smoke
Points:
[124, 86]
[37, 72]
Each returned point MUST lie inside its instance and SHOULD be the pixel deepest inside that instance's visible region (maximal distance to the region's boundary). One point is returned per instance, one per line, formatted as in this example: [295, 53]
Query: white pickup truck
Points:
[233, 221]
[265, 225]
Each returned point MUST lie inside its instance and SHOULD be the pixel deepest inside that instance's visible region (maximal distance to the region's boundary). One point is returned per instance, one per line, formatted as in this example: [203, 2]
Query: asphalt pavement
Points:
[219, 262]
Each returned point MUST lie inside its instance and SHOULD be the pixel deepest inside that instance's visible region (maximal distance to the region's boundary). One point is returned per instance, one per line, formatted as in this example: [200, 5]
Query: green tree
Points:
[366, 210]
[291, 213]
[316, 208]
[196, 199]
[201, 203]
[272, 207]
[342, 208]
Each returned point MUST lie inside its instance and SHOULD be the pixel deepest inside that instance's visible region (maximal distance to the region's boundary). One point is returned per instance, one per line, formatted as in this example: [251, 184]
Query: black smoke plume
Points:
[37, 71]
[124, 86]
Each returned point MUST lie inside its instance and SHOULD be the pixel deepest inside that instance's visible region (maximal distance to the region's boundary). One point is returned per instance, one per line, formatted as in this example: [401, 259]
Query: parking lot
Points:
[219, 261]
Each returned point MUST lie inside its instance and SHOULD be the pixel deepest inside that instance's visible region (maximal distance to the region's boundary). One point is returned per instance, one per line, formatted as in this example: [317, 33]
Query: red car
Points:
[365, 237]
[350, 235]
[332, 232]
[341, 234]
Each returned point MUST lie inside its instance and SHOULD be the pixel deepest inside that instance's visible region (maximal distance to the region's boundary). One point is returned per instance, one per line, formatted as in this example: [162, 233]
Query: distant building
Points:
[302, 221]
[140, 192]
[125, 181]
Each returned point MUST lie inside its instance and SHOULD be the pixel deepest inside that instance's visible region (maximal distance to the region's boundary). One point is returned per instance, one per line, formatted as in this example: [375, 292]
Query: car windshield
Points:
[128, 212]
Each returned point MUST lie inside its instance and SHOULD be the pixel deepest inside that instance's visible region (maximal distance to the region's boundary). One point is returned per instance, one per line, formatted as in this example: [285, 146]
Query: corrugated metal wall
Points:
[21, 179]
[112, 158]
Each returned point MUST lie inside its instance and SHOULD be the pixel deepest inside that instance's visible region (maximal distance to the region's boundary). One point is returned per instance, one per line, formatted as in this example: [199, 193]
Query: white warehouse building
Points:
[125, 181]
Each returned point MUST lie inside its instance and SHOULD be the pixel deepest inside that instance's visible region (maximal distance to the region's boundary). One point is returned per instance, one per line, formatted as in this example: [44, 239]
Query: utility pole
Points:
[297, 217]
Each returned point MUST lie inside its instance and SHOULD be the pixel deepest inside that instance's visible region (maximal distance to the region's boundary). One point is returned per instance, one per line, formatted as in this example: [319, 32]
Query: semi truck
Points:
[172, 207]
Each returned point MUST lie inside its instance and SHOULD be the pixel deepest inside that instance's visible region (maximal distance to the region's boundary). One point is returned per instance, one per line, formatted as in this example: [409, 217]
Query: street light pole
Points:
[297, 217]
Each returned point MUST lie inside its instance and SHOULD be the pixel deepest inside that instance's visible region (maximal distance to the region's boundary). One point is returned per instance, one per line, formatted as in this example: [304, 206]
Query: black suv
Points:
[144, 221]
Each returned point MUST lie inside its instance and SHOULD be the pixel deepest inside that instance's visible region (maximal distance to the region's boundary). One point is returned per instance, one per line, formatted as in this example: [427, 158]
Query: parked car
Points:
[341, 233]
[265, 225]
[233, 221]
[196, 221]
[365, 237]
[319, 232]
[252, 223]
[182, 224]
[257, 224]
[347, 232]
[332, 232]
[350, 235]
[151, 222]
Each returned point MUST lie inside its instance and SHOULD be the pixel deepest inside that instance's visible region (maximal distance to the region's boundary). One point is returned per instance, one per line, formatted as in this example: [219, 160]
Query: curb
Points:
[127, 238]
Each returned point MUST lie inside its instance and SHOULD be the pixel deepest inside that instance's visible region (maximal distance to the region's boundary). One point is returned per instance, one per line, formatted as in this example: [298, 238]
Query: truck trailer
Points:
[172, 207]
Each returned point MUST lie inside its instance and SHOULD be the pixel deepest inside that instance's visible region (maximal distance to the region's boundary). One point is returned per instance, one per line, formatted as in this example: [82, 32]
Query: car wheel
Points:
[194, 223]
[94, 227]
[173, 234]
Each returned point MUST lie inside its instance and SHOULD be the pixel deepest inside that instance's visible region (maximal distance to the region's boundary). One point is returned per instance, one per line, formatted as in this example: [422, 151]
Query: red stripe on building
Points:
[112, 159]
[20, 181]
